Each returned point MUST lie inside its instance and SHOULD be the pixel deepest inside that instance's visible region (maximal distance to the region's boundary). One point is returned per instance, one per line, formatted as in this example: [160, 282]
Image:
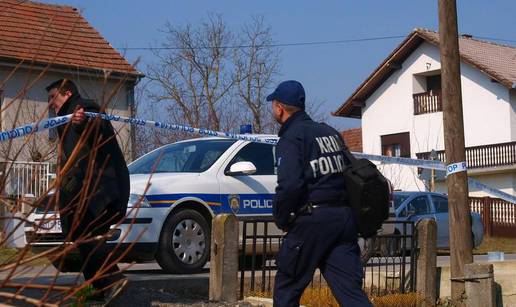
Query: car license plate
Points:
[51, 226]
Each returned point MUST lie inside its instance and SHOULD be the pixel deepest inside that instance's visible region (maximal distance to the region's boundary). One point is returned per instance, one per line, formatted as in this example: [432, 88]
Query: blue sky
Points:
[330, 73]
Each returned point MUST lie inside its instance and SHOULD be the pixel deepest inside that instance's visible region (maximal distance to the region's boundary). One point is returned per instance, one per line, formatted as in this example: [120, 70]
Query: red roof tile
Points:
[55, 34]
[353, 139]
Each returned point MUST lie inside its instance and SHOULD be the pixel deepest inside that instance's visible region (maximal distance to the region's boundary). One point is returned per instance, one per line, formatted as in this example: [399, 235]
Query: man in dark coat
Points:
[311, 206]
[93, 183]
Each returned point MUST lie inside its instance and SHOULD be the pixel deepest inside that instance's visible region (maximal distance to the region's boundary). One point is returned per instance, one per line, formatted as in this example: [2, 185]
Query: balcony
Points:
[485, 156]
[427, 102]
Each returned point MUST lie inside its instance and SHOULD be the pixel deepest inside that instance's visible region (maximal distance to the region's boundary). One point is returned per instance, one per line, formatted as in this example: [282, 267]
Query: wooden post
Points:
[480, 287]
[427, 262]
[224, 259]
[460, 225]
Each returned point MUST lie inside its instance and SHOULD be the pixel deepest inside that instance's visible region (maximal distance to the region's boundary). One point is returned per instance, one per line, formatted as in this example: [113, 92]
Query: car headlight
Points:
[137, 200]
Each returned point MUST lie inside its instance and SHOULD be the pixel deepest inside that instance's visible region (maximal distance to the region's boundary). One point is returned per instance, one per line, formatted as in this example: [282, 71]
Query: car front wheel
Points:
[184, 244]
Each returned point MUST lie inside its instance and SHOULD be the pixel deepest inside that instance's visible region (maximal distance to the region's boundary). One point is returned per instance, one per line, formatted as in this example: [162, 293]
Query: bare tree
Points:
[194, 73]
[256, 66]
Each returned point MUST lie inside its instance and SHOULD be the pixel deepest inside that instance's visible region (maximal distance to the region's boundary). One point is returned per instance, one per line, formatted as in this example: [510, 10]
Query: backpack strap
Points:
[351, 158]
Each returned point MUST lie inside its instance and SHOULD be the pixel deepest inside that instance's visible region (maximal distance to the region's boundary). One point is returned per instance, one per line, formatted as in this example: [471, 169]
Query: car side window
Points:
[440, 204]
[419, 206]
[261, 155]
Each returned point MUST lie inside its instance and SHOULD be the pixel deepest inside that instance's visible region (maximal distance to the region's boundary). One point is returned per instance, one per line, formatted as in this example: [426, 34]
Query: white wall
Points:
[390, 110]
[513, 114]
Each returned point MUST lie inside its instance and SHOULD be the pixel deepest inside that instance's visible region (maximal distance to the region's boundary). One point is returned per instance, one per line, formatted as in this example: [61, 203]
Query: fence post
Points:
[427, 262]
[480, 287]
[487, 219]
[224, 259]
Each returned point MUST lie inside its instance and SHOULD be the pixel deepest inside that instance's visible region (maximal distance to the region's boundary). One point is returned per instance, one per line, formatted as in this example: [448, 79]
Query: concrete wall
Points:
[487, 112]
[504, 272]
[25, 101]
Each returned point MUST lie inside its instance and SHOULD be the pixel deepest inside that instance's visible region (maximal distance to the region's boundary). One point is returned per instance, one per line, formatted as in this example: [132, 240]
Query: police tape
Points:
[456, 168]
[182, 128]
[427, 164]
[28, 129]
[437, 165]
[494, 192]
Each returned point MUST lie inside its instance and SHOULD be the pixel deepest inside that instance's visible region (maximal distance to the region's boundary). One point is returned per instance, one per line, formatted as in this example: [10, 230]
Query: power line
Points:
[312, 43]
[331, 42]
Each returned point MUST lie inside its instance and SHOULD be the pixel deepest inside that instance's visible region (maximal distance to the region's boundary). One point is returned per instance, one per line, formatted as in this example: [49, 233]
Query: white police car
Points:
[185, 184]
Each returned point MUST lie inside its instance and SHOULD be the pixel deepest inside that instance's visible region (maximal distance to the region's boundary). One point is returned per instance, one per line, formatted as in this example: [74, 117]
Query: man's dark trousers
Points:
[93, 254]
[326, 239]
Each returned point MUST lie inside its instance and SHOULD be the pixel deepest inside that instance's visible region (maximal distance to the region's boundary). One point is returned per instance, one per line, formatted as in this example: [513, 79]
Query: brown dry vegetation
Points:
[322, 296]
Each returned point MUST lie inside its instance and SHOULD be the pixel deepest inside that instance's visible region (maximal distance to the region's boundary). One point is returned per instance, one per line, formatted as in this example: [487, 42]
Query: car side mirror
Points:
[242, 168]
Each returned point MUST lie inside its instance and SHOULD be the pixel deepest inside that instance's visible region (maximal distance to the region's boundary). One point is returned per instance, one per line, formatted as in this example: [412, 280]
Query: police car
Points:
[175, 191]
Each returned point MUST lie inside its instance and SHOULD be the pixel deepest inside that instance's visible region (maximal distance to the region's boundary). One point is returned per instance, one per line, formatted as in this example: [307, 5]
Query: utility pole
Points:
[459, 213]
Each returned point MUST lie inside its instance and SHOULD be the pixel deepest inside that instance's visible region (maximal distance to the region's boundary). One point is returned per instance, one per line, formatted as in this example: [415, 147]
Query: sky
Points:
[329, 72]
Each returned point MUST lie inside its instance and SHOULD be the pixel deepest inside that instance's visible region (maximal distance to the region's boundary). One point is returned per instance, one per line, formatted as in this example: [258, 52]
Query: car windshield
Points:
[184, 157]
[399, 199]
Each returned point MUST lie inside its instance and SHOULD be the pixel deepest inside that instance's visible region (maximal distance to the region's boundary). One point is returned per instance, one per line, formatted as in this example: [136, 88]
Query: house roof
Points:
[495, 60]
[34, 32]
[353, 139]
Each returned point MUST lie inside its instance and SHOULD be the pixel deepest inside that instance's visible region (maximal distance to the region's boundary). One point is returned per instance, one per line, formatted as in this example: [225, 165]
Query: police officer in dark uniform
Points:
[310, 206]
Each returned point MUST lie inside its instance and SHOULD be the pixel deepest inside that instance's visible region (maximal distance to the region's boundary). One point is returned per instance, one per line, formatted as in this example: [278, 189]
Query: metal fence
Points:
[390, 266]
[498, 216]
[26, 178]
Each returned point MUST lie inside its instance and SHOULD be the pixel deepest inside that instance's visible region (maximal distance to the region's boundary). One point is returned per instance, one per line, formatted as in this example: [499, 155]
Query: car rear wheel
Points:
[184, 244]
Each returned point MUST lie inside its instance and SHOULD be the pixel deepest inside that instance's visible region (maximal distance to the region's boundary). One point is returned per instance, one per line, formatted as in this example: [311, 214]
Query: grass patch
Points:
[9, 255]
[491, 244]
[322, 296]
[82, 296]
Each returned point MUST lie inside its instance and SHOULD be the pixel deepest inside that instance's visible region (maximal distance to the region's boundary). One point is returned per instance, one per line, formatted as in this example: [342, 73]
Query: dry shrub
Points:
[397, 300]
[322, 296]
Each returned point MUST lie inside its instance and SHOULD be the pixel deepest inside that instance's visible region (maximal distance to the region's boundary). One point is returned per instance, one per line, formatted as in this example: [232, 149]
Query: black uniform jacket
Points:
[109, 182]
[310, 161]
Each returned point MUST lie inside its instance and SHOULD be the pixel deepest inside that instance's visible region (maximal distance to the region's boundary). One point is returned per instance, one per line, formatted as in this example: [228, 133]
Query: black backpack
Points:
[369, 194]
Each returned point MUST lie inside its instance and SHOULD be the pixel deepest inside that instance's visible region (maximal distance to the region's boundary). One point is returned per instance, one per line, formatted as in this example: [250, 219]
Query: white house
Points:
[401, 110]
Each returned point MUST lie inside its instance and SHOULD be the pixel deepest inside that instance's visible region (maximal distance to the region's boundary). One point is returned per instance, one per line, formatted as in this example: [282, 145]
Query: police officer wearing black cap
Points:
[310, 206]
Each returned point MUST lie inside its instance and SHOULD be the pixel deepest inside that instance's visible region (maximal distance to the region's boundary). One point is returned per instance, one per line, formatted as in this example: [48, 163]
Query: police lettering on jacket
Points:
[331, 160]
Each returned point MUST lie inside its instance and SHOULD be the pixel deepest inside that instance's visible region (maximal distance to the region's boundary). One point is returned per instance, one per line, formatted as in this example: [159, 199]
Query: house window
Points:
[396, 145]
[427, 94]
[433, 83]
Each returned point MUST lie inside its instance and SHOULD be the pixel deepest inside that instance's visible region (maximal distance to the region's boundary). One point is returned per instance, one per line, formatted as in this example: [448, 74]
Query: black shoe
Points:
[115, 291]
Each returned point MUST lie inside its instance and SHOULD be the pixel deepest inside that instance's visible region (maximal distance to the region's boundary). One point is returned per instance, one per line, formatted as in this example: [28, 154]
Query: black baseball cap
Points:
[289, 92]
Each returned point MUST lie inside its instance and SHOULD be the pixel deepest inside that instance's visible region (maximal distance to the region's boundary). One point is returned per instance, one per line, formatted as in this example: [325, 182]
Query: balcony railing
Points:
[428, 102]
[24, 178]
[493, 155]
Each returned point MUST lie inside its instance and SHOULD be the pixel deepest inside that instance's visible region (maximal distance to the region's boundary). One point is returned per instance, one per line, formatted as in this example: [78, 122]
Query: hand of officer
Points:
[78, 116]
